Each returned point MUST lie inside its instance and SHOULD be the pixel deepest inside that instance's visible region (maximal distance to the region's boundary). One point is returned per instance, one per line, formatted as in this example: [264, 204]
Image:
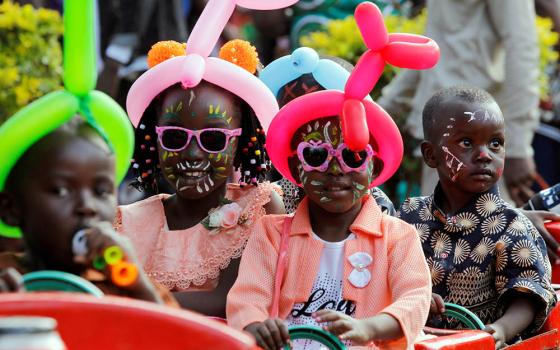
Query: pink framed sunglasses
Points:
[211, 140]
[316, 156]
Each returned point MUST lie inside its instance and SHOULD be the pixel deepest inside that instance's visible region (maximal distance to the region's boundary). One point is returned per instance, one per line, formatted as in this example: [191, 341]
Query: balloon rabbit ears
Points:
[196, 65]
[33, 122]
[362, 120]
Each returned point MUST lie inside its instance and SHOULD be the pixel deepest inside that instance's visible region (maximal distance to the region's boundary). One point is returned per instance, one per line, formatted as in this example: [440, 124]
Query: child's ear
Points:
[428, 152]
[293, 163]
[9, 211]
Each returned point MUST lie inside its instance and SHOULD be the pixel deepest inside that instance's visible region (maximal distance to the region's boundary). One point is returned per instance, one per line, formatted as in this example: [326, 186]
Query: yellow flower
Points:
[22, 95]
[9, 76]
[30, 55]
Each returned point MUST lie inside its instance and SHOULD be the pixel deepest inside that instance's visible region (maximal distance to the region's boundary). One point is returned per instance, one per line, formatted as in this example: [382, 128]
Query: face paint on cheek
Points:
[168, 171]
[357, 189]
[302, 175]
[453, 163]
[500, 171]
[358, 186]
[167, 155]
[370, 171]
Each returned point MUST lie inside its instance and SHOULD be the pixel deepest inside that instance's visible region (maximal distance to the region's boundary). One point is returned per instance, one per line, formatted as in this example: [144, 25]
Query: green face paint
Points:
[358, 186]
[166, 155]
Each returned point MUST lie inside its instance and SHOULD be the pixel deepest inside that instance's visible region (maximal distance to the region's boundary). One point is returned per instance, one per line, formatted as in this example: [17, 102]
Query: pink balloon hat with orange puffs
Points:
[196, 65]
[363, 121]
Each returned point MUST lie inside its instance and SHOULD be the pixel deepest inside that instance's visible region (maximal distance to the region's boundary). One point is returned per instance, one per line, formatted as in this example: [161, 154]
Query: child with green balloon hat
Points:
[62, 157]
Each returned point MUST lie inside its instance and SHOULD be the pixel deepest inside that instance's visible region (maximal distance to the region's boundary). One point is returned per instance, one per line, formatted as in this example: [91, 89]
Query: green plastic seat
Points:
[48, 280]
[316, 334]
[463, 315]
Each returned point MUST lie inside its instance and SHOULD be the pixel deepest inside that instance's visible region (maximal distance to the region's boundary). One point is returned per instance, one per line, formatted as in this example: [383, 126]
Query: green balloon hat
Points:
[43, 116]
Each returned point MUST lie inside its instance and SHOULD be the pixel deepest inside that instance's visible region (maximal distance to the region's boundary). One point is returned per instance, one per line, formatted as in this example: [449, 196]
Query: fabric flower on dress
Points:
[360, 275]
[226, 216]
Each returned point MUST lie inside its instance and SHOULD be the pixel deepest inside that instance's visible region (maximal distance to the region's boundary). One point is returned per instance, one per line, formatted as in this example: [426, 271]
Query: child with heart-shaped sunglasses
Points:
[339, 262]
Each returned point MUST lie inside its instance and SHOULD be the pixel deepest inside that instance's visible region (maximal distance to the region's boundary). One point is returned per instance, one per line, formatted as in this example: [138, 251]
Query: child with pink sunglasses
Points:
[195, 123]
[338, 262]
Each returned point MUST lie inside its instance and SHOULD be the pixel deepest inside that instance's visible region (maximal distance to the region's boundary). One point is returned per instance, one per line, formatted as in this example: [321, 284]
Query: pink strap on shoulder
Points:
[281, 265]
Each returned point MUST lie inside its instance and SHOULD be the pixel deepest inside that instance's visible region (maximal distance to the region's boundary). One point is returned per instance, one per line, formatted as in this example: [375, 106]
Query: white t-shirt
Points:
[326, 292]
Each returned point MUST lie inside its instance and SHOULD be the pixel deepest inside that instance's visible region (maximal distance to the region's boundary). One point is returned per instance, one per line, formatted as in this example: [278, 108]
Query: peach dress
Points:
[191, 259]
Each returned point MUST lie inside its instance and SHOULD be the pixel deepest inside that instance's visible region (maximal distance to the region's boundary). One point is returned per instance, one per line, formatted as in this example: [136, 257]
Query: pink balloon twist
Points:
[400, 50]
[214, 18]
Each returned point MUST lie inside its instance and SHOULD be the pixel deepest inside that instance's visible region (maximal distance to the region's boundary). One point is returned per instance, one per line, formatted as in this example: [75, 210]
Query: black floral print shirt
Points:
[480, 255]
[293, 194]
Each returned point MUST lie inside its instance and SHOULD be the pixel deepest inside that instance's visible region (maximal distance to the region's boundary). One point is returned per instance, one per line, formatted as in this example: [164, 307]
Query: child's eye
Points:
[466, 143]
[104, 190]
[60, 191]
[496, 143]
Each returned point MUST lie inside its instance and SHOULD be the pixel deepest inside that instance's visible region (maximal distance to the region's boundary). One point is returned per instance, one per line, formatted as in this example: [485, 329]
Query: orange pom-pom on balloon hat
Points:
[241, 53]
[165, 50]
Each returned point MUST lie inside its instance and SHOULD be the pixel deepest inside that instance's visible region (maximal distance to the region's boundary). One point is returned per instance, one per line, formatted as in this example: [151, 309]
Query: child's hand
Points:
[497, 333]
[102, 236]
[346, 327]
[271, 334]
[437, 305]
[10, 281]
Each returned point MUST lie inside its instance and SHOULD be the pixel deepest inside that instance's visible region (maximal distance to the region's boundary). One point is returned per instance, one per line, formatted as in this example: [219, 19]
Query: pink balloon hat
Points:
[189, 70]
[361, 119]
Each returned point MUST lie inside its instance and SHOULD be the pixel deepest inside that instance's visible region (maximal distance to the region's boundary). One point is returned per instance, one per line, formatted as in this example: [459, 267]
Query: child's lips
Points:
[483, 174]
[337, 187]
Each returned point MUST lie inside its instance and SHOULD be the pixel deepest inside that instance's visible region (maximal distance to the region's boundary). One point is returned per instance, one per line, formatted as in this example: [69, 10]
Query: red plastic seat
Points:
[89, 323]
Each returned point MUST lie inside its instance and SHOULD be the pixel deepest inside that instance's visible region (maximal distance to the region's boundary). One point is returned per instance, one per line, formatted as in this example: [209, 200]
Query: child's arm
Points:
[409, 280]
[361, 332]
[516, 318]
[538, 218]
[211, 303]
[250, 298]
[11, 281]
[522, 279]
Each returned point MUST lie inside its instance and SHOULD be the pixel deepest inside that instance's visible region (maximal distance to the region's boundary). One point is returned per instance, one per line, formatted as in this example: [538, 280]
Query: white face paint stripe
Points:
[450, 161]
[484, 117]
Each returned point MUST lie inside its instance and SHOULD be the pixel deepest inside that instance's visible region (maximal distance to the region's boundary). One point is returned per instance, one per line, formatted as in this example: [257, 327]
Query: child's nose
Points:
[483, 155]
[334, 168]
[86, 204]
[194, 151]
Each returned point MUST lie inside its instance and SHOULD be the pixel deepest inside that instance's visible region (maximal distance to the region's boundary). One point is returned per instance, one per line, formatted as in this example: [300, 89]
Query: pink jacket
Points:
[400, 282]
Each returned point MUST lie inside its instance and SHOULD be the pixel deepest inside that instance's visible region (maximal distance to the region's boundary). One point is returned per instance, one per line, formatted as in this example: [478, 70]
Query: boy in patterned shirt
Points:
[482, 253]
